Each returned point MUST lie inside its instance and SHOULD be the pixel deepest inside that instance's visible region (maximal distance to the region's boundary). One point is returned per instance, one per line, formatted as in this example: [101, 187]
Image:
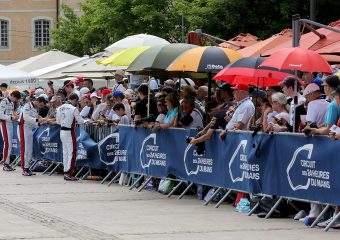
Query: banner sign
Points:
[283, 165]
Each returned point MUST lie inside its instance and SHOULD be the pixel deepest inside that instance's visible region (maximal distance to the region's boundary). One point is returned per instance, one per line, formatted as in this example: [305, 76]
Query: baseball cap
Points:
[280, 98]
[317, 81]
[79, 79]
[258, 93]
[67, 83]
[105, 92]
[39, 92]
[290, 82]
[225, 86]
[94, 94]
[55, 98]
[118, 93]
[44, 96]
[120, 73]
[242, 87]
[312, 87]
[83, 91]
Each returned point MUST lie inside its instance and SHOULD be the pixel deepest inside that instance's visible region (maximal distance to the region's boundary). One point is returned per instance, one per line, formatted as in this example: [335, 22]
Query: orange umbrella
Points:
[204, 60]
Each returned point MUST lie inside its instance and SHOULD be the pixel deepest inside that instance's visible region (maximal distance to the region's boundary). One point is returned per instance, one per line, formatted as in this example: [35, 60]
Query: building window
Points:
[41, 33]
[4, 36]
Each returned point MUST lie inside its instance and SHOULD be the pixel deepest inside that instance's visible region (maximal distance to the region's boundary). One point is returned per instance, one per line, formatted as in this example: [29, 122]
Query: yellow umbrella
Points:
[124, 58]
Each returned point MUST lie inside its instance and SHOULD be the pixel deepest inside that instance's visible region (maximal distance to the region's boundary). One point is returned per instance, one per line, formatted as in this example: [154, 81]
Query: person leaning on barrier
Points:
[67, 116]
[239, 118]
[191, 117]
[28, 120]
[171, 102]
[280, 120]
[331, 83]
[7, 116]
[119, 109]
[54, 104]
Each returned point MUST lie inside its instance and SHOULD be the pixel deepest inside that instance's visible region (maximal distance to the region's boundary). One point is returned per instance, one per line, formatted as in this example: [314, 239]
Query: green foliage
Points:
[106, 21]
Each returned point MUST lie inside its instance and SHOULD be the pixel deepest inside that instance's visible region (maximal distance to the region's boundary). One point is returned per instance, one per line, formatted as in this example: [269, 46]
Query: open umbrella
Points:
[209, 60]
[298, 59]
[156, 59]
[124, 58]
[247, 71]
[136, 41]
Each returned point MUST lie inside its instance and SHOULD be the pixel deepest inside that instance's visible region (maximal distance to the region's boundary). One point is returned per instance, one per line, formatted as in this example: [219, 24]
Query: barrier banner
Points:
[292, 166]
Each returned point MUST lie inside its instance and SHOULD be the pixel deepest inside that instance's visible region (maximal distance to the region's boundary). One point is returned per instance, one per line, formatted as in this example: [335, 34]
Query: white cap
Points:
[38, 92]
[44, 96]
[94, 94]
[312, 87]
[280, 98]
[83, 91]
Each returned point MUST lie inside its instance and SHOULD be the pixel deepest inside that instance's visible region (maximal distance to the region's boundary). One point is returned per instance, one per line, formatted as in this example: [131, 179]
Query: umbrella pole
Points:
[179, 98]
[209, 85]
[149, 97]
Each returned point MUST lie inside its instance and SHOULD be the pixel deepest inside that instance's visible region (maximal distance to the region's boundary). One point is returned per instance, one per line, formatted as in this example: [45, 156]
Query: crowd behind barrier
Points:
[266, 164]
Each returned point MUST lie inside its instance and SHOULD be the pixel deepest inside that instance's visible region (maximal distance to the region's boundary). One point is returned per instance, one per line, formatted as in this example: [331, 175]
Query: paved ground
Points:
[43, 207]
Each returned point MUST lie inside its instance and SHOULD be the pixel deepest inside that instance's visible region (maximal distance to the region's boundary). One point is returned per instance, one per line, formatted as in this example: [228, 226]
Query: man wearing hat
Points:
[69, 88]
[7, 116]
[119, 77]
[79, 82]
[119, 97]
[317, 105]
[54, 104]
[243, 111]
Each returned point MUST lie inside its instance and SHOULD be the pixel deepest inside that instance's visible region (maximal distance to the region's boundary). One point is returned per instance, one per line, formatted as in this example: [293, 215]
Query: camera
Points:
[256, 128]
[200, 147]
[307, 131]
[148, 119]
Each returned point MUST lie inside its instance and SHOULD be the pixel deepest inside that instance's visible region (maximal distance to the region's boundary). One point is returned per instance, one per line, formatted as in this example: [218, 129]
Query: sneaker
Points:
[8, 168]
[308, 221]
[68, 177]
[300, 215]
[324, 223]
[27, 173]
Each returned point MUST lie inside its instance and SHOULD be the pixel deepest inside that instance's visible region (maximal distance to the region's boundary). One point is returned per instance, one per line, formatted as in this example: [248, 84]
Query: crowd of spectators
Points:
[308, 105]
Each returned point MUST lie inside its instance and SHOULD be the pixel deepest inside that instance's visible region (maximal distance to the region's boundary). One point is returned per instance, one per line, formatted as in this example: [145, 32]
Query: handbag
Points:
[165, 186]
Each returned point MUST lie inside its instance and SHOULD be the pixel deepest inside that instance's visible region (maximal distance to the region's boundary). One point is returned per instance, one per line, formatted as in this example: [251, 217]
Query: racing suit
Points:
[28, 120]
[67, 116]
[6, 114]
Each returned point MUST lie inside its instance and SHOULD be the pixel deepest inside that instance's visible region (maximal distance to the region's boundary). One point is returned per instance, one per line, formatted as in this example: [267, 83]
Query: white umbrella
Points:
[136, 41]
[17, 78]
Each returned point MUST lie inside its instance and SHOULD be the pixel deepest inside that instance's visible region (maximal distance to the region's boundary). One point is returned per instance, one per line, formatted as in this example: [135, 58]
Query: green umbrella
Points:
[156, 59]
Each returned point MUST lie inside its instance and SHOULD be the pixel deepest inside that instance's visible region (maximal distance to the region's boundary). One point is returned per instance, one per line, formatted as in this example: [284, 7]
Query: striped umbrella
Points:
[124, 58]
[209, 60]
[247, 71]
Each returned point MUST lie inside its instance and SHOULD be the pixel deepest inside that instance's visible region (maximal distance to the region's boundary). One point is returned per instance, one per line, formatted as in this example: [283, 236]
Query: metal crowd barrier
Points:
[97, 133]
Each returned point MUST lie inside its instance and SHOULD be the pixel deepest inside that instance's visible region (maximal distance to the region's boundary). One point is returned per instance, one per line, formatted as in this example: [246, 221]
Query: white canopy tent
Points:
[43, 60]
[17, 78]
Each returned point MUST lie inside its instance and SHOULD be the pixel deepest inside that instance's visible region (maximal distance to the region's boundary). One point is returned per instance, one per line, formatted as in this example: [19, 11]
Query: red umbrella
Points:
[247, 71]
[298, 59]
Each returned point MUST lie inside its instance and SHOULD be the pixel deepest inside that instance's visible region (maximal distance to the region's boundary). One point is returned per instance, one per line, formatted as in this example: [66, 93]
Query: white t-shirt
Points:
[160, 118]
[316, 111]
[125, 120]
[245, 109]
[85, 112]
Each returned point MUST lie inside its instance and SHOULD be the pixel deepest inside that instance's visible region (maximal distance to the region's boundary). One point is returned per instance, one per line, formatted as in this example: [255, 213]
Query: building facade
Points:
[25, 26]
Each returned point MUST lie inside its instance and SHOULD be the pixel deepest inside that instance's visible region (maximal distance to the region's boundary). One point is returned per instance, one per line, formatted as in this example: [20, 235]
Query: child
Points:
[120, 111]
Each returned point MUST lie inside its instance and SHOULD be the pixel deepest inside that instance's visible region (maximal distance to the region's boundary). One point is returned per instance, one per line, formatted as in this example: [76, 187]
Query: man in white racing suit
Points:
[67, 116]
[29, 119]
[7, 117]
